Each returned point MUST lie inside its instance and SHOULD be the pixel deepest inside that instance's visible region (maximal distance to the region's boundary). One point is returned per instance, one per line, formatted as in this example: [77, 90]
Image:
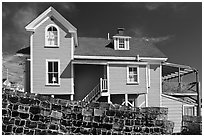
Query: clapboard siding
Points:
[40, 54]
[174, 112]
[154, 90]
[118, 80]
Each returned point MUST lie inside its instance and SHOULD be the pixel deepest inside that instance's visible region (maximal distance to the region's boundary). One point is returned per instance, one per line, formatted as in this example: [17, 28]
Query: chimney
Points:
[121, 31]
[108, 36]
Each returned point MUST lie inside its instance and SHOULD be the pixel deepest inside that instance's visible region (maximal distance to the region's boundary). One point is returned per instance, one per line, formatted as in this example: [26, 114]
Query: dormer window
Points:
[52, 36]
[121, 41]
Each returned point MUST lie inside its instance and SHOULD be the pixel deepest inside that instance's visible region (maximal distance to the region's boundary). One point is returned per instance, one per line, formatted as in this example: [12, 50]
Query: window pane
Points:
[50, 78]
[135, 78]
[55, 78]
[55, 66]
[50, 67]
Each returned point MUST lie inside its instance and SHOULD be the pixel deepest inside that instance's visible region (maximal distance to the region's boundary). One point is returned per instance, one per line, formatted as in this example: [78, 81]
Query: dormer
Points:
[121, 41]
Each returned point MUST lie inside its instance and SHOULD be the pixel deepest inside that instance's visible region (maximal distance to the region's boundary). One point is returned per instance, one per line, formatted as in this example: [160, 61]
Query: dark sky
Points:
[175, 27]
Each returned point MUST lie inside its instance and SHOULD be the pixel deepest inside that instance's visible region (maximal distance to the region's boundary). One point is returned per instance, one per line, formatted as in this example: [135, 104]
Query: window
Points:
[121, 43]
[189, 110]
[132, 75]
[52, 72]
[52, 36]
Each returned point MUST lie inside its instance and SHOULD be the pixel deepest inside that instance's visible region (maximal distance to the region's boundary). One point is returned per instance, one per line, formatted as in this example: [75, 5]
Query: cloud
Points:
[174, 6]
[160, 39]
[137, 32]
[153, 6]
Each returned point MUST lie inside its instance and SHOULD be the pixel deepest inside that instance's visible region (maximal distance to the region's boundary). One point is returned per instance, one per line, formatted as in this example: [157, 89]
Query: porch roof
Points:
[171, 70]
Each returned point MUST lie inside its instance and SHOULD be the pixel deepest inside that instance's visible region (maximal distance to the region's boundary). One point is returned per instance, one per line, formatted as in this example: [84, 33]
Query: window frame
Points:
[128, 81]
[124, 43]
[117, 42]
[58, 36]
[47, 81]
[189, 106]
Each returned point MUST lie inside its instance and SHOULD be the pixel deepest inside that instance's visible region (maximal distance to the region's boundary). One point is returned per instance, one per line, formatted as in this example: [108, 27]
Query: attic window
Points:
[121, 43]
[51, 36]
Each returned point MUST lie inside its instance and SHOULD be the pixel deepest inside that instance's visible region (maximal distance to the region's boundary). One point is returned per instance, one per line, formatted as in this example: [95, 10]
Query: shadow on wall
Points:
[67, 72]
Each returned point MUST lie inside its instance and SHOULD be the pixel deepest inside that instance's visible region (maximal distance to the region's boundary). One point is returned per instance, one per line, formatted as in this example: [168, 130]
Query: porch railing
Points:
[177, 87]
[103, 84]
[92, 94]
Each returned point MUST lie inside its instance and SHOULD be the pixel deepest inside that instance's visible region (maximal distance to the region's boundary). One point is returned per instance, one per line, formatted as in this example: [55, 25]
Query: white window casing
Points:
[52, 39]
[55, 79]
[121, 43]
[133, 73]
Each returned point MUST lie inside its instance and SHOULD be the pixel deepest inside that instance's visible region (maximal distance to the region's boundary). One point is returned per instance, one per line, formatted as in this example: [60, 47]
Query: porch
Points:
[182, 82]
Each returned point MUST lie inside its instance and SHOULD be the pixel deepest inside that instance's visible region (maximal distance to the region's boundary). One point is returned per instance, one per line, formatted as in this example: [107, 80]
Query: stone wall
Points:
[34, 114]
[192, 125]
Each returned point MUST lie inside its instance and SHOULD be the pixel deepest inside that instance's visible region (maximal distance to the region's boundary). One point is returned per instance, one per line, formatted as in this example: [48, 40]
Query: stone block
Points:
[94, 105]
[45, 104]
[63, 129]
[73, 115]
[15, 107]
[87, 112]
[66, 122]
[98, 119]
[35, 110]
[79, 116]
[42, 125]
[55, 120]
[14, 113]
[87, 118]
[19, 130]
[77, 109]
[77, 123]
[86, 124]
[25, 100]
[19, 122]
[56, 114]
[13, 99]
[23, 109]
[30, 124]
[56, 107]
[35, 102]
[85, 131]
[45, 112]
[34, 117]
[4, 104]
[66, 109]
[24, 115]
[129, 122]
[8, 120]
[28, 131]
[117, 126]
[7, 128]
[53, 127]
[137, 128]
[107, 126]
[53, 100]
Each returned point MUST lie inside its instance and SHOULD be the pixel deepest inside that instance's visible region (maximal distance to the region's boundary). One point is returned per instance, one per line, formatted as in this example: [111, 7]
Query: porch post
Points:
[109, 100]
[198, 94]
[71, 97]
[126, 99]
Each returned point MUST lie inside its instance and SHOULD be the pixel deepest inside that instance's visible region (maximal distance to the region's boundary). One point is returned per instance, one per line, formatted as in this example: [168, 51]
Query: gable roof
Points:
[103, 47]
[48, 13]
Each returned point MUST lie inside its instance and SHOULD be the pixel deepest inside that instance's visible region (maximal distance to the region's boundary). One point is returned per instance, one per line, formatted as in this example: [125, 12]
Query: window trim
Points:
[127, 75]
[46, 73]
[193, 106]
[58, 36]
[126, 42]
